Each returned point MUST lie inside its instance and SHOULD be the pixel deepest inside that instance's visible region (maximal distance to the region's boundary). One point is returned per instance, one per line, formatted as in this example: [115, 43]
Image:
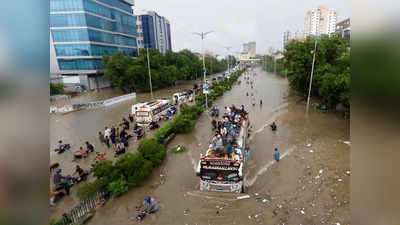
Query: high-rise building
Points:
[82, 31]
[154, 31]
[320, 21]
[245, 47]
[252, 49]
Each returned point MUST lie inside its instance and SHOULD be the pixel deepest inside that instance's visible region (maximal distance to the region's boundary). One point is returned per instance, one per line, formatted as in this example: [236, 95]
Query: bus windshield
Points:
[219, 175]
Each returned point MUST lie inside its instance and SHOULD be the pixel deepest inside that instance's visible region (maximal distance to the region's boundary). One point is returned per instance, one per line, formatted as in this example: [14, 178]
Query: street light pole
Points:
[312, 72]
[202, 35]
[229, 58]
[148, 66]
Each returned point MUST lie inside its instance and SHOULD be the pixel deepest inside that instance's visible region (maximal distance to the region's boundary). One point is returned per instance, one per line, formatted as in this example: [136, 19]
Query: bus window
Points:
[142, 114]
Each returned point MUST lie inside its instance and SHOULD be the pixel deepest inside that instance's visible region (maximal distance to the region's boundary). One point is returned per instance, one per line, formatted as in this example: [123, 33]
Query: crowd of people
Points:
[116, 137]
[226, 132]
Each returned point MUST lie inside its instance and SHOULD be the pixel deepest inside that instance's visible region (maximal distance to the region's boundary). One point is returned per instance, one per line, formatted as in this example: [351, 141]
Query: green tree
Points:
[331, 79]
[56, 89]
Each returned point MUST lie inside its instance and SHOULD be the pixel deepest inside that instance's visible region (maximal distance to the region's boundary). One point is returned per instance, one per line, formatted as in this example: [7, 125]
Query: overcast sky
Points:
[236, 22]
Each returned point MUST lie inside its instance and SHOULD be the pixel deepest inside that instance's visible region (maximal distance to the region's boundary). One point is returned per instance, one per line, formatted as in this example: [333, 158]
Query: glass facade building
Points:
[82, 31]
[155, 31]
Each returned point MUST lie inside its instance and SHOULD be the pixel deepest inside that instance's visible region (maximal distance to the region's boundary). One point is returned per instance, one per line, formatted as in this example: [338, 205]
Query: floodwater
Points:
[291, 191]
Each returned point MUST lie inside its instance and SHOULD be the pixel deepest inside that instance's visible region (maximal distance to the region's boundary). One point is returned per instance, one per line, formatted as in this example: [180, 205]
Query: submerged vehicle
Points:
[147, 112]
[225, 172]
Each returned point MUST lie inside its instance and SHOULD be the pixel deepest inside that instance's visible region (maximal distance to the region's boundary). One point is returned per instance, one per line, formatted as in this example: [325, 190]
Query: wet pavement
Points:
[293, 191]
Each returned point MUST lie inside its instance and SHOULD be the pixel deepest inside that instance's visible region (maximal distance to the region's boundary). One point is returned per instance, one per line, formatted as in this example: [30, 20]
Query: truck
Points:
[225, 173]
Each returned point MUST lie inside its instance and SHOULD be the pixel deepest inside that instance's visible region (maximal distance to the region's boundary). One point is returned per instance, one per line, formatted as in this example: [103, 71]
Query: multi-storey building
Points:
[82, 31]
[287, 36]
[252, 49]
[245, 47]
[154, 31]
[320, 21]
[343, 29]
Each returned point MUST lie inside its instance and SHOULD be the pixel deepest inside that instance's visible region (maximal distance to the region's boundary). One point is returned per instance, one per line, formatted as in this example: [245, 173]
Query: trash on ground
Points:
[311, 151]
[340, 204]
[348, 172]
[186, 212]
[340, 180]
[264, 200]
[309, 145]
[302, 212]
[321, 171]
[347, 143]
[243, 197]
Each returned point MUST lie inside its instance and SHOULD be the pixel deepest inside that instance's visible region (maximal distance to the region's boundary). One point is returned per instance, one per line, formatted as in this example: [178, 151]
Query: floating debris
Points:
[243, 197]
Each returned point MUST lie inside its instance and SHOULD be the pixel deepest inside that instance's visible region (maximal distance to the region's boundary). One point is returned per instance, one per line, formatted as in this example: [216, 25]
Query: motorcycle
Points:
[153, 125]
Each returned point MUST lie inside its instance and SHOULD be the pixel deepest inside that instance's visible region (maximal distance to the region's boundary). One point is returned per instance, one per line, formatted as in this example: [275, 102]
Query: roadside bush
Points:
[152, 150]
[87, 190]
[118, 187]
[192, 112]
[56, 88]
[133, 168]
[161, 134]
[184, 124]
[105, 169]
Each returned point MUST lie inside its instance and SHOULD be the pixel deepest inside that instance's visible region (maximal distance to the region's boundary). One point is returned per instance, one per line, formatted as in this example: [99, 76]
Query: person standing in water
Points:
[276, 155]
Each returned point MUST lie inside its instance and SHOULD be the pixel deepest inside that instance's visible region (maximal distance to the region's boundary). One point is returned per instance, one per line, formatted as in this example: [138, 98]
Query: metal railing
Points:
[80, 213]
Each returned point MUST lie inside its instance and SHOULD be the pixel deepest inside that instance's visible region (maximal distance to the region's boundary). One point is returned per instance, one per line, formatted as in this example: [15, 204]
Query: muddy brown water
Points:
[289, 186]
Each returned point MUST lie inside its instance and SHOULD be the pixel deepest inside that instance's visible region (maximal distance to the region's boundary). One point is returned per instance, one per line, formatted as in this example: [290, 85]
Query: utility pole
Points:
[202, 35]
[148, 66]
[312, 72]
[229, 58]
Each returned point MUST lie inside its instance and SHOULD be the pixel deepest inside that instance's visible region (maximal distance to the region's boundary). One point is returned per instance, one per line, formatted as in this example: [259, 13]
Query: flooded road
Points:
[293, 191]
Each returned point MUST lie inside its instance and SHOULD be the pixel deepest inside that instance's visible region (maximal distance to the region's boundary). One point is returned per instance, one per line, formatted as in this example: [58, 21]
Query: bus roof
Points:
[151, 105]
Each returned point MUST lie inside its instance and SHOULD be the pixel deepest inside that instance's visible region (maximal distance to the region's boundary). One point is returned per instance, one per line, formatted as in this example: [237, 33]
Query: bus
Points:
[225, 174]
[148, 112]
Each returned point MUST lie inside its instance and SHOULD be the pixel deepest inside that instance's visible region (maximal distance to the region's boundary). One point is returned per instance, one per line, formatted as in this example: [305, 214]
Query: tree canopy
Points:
[331, 79]
[131, 74]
